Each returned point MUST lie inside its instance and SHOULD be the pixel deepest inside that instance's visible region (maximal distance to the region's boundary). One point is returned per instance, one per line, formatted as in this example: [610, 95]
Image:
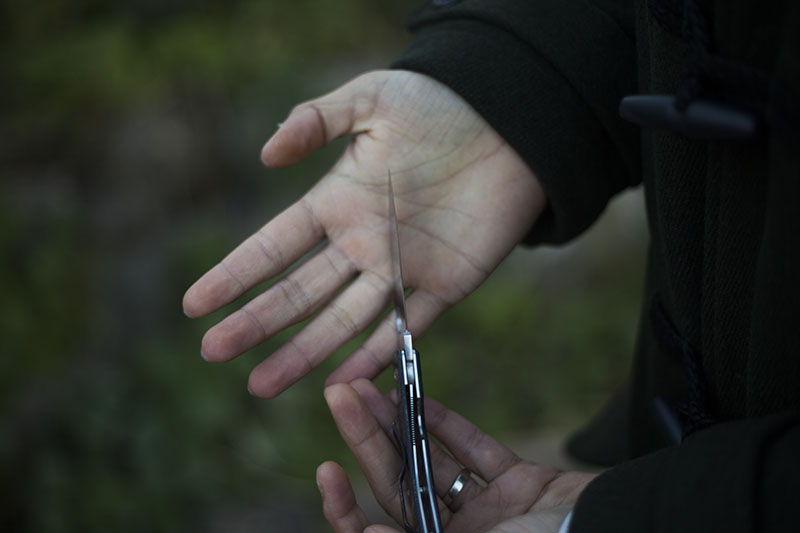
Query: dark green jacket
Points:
[719, 346]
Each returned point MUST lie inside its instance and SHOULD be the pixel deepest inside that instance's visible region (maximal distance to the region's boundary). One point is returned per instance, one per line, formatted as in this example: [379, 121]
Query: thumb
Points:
[313, 124]
[339, 504]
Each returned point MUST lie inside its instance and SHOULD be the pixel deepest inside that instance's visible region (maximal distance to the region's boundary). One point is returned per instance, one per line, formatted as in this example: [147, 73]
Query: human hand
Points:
[464, 199]
[513, 496]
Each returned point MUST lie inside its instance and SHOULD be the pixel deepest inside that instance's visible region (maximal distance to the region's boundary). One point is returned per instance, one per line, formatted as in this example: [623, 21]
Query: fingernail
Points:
[280, 124]
[203, 355]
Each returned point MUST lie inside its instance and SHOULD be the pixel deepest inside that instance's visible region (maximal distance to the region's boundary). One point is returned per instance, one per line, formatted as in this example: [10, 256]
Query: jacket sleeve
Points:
[548, 76]
[741, 476]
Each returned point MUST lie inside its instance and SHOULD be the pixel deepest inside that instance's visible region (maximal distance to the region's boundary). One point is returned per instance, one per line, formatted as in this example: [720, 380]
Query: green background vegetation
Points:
[129, 142]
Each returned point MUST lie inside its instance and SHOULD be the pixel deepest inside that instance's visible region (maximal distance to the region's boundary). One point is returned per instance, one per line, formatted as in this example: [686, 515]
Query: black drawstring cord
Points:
[695, 33]
[694, 412]
[719, 98]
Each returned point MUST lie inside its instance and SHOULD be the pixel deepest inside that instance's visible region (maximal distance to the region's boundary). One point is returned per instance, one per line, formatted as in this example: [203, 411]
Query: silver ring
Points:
[457, 486]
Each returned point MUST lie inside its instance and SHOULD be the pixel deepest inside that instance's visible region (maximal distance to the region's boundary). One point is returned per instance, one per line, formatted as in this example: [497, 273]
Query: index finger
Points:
[263, 255]
[371, 447]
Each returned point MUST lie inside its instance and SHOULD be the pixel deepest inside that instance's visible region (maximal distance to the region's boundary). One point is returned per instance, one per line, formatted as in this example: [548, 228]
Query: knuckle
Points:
[233, 275]
[272, 254]
[255, 321]
[294, 293]
[343, 319]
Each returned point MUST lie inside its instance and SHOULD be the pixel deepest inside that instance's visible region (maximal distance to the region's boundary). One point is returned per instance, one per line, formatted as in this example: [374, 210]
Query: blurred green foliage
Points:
[129, 139]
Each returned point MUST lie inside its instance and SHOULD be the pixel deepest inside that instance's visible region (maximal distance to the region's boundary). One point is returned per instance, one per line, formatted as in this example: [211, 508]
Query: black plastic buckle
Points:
[702, 119]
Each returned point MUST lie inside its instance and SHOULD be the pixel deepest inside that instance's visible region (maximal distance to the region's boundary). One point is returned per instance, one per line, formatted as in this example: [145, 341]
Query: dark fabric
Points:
[602, 441]
[749, 483]
[565, 77]
[723, 261]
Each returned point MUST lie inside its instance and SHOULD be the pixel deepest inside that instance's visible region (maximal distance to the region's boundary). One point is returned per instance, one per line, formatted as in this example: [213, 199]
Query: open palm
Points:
[464, 199]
